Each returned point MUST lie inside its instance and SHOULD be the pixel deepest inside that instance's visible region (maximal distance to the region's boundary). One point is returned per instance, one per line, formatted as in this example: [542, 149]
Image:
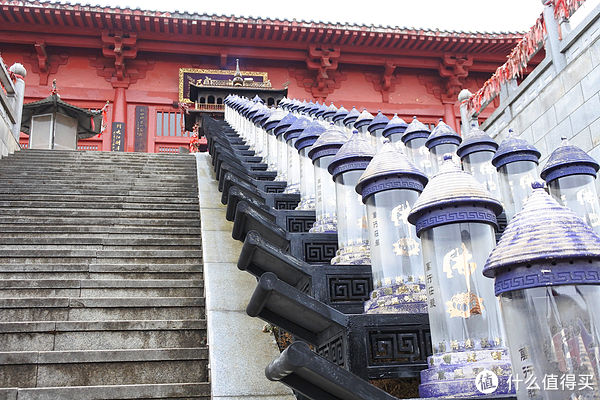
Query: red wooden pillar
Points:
[449, 116]
[119, 121]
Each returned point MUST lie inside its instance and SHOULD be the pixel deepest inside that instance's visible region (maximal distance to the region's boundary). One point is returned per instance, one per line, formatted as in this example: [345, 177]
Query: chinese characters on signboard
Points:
[117, 142]
[141, 129]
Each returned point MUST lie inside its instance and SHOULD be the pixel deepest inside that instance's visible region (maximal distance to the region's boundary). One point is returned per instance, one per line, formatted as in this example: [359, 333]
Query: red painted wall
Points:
[80, 82]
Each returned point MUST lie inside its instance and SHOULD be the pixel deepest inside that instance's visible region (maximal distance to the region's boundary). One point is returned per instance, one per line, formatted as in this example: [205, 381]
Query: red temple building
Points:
[137, 60]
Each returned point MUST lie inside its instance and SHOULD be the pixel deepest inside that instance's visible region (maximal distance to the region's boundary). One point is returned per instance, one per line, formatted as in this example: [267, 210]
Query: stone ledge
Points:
[101, 356]
[92, 326]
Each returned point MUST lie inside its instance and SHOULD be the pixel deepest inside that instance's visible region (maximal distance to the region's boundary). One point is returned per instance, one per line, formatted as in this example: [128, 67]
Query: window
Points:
[211, 99]
[168, 124]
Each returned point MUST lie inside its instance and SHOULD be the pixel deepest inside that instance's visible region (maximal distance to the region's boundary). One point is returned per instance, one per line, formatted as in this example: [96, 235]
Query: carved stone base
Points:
[401, 298]
[467, 374]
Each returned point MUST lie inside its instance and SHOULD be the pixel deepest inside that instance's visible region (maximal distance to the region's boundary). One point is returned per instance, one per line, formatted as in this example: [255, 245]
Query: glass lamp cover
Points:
[578, 192]
[307, 181]
[515, 184]
[553, 335]
[325, 197]
[293, 168]
[282, 161]
[396, 256]
[463, 311]
[352, 226]
[437, 155]
[479, 164]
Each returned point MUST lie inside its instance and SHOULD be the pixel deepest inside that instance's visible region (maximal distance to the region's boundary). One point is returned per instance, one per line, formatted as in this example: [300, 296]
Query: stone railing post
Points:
[466, 120]
[553, 37]
[20, 73]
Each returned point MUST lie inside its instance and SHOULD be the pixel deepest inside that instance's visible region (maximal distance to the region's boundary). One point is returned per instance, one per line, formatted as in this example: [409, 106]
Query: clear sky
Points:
[459, 15]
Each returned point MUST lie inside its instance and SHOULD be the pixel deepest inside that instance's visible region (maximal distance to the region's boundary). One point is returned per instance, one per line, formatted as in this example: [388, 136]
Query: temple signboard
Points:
[218, 79]
[141, 129]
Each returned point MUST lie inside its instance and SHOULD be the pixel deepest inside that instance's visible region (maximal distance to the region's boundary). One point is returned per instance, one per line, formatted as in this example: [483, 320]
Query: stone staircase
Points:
[101, 280]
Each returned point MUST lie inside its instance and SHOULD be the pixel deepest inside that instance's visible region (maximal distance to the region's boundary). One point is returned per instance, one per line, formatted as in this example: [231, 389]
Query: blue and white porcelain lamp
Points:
[394, 129]
[261, 134]
[547, 276]
[476, 152]
[350, 118]
[414, 138]
[322, 153]
[269, 126]
[362, 122]
[571, 174]
[376, 127]
[442, 140]
[389, 187]
[293, 159]
[346, 169]
[303, 143]
[328, 113]
[455, 217]
[516, 162]
[250, 132]
[338, 117]
[282, 149]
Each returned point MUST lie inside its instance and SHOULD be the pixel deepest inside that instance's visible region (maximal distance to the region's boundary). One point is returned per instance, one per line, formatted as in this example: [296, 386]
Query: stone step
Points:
[86, 221]
[97, 335]
[7, 239]
[97, 168]
[32, 288]
[114, 229]
[47, 180]
[101, 205]
[171, 391]
[98, 213]
[116, 186]
[98, 161]
[78, 253]
[98, 200]
[98, 158]
[102, 367]
[98, 192]
[100, 309]
[101, 271]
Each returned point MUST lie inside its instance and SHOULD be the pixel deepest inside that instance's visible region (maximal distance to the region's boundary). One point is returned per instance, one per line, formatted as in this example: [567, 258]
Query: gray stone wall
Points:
[556, 101]
[8, 143]
[11, 107]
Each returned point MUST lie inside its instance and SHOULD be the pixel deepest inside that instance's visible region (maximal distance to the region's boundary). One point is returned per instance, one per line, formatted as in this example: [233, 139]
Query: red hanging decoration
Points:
[104, 122]
[517, 61]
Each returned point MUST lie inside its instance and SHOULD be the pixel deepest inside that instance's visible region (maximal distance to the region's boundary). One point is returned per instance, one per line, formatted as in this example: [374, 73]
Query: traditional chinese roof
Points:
[309, 135]
[476, 140]
[416, 129]
[390, 162]
[328, 143]
[340, 114]
[128, 19]
[363, 119]
[379, 122]
[355, 152]
[442, 134]
[568, 160]
[543, 231]
[351, 116]
[513, 149]
[451, 187]
[396, 125]
[53, 103]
